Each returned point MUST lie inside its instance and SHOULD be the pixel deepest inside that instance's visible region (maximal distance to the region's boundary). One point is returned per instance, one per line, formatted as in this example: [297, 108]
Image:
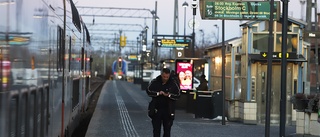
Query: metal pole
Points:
[104, 60]
[308, 20]
[217, 37]
[114, 42]
[145, 43]
[153, 43]
[185, 5]
[140, 42]
[146, 35]
[223, 75]
[316, 46]
[202, 42]
[137, 46]
[175, 18]
[283, 98]
[193, 37]
[269, 71]
[194, 5]
[141, 57]
[63, 73]
[156, 32]
[120, 34]
[202, 38]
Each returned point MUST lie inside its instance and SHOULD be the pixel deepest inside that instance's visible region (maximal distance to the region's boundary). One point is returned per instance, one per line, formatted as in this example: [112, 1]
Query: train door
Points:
[275, 92]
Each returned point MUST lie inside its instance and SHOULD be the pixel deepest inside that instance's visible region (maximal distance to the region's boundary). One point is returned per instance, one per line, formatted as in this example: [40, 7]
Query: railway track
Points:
[96, 85]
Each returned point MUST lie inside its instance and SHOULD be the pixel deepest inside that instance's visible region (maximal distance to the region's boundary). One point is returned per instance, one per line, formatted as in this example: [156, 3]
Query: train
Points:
[120, 69]
[45, 67]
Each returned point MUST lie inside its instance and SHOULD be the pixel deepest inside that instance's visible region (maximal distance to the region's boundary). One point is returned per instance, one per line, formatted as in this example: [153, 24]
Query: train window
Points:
[82, 59]
[17, 63]
[70, 40]
[60, 49]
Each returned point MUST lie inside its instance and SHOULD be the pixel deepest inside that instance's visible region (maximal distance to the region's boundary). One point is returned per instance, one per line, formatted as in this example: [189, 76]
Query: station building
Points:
[246, 70]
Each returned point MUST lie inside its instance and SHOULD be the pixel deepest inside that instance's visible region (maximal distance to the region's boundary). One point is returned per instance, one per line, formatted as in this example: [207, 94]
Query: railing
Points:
[24, 112]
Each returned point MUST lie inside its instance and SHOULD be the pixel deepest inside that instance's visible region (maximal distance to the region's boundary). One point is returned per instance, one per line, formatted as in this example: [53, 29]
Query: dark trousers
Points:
[162, 117]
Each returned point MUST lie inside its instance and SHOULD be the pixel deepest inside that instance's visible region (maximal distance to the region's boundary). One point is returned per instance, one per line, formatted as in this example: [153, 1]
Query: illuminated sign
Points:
[15, 40]
[173, 43]
[133, 57]
[311, 34]
[238, 10]
[278, 55]
[179, 53]
[185, 74]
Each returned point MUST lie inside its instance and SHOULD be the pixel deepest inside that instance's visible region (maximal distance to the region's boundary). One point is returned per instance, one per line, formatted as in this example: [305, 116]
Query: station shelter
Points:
[246, 70]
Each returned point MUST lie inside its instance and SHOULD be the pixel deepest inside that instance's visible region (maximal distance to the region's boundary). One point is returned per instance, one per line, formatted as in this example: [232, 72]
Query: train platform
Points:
[121, 111]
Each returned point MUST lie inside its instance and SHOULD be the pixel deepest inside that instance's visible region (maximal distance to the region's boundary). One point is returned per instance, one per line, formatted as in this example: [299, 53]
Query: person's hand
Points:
[161, 93]
[165, 94]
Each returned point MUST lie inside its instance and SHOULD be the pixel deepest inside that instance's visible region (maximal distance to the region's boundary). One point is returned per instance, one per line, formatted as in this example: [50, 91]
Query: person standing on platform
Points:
[203, 84]
[164, 91]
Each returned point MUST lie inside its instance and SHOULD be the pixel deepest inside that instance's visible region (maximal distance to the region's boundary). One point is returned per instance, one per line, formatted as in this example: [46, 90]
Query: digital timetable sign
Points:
[173, 43]
[238, 10]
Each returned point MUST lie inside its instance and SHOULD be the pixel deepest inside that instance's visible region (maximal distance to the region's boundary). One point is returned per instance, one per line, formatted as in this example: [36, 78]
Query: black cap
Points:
[166, 70]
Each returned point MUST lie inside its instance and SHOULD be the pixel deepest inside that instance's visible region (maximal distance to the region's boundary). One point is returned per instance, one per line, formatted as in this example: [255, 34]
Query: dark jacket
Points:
[163, 102]
[203, 85]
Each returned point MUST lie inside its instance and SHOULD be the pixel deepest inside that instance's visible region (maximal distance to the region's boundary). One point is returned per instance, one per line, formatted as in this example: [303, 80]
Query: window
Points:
[70, 42]
[60, 49]
[292, 42]
[260, 43]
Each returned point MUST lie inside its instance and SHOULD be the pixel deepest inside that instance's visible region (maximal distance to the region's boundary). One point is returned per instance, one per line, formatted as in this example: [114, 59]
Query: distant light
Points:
[6, 3]
[185, 4]
[144, 47]
[218, 60]
[37, 17]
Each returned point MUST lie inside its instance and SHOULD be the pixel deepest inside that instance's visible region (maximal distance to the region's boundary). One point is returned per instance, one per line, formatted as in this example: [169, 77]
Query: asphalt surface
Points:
[121, 111]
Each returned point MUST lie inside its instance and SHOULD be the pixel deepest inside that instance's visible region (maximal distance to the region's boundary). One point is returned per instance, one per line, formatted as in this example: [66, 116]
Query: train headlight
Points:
[119, 62]
[119, 77]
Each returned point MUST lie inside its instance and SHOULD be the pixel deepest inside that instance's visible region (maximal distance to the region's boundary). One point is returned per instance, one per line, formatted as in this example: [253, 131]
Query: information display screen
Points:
[238, 10]
[173, 43]
[185, 74]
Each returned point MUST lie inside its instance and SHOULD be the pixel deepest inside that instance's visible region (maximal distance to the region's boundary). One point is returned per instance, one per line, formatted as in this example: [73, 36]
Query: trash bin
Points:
[181, 103]
[204, 105]
[217, 99]
[135, 80]
[191, 102]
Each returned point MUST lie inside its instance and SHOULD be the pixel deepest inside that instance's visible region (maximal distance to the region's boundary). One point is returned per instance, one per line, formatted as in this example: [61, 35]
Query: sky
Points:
[165, 10]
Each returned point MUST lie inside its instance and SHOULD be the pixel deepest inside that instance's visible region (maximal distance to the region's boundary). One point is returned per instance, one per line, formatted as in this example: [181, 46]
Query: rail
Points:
[24, 112]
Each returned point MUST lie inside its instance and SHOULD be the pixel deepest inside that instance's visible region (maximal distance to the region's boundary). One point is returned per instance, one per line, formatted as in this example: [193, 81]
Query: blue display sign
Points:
[173, 43]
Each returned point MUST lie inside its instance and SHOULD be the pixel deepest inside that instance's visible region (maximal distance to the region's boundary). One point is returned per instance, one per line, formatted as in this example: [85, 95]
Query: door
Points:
[275, 92]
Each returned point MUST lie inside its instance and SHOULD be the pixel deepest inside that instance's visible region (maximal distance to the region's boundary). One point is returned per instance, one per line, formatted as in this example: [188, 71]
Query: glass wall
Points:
[260, 43]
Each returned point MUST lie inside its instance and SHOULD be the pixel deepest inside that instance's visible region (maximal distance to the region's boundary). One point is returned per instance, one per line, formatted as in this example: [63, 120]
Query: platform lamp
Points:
[217, 37]
[185, 5]
[194, 5]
